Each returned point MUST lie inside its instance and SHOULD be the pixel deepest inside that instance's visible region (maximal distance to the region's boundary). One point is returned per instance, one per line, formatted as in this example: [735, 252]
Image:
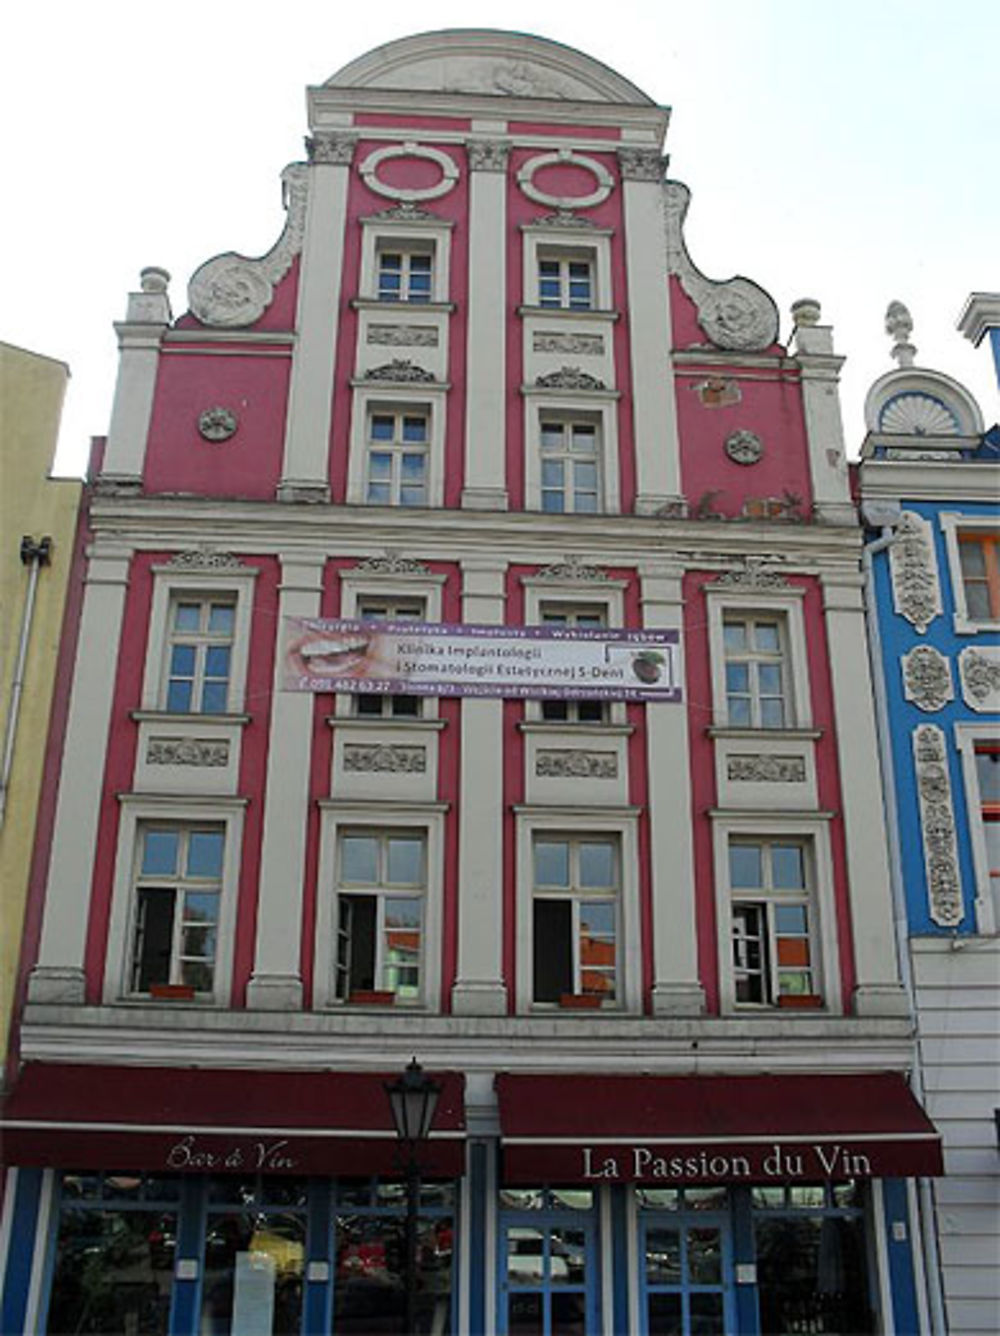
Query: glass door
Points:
[687, 1274]
[549, 1281]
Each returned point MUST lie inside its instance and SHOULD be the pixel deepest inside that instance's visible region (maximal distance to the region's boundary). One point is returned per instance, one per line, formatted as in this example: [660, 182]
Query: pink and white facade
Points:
[477, 381]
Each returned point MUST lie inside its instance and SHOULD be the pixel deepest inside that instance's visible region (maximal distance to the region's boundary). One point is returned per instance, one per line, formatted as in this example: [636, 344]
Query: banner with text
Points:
[438, 659]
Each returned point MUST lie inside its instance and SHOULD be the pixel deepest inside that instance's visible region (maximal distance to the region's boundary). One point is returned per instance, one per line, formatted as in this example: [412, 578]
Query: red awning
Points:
[713, 1129]
[218, 1121]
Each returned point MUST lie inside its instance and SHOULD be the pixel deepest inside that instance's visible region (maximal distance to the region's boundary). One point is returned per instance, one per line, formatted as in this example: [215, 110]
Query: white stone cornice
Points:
[980, 314]
[938, 480]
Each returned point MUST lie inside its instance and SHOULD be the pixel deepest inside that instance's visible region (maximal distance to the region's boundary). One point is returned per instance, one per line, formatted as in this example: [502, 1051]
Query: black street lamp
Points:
[413, 1099]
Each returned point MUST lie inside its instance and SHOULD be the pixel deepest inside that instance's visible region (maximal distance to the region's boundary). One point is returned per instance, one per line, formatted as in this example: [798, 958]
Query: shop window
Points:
[405, 274]
[199, 654]
[772, 951]
[370, 1250]
[382, 881]
[755, 672]
[566, 281]
[573, 711]
[812, 1259]
[253, 1265]
[176, 915]
[115, 1249]
[378, 706]
[549, 1272]
[575, 918]
[397, 458]
[570, 465]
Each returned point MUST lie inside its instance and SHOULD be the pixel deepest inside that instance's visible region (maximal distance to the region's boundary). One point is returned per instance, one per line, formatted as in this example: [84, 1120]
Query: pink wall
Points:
[254, 387]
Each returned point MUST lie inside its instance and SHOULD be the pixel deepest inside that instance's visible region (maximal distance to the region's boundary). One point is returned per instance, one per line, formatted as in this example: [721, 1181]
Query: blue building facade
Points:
[929, 487]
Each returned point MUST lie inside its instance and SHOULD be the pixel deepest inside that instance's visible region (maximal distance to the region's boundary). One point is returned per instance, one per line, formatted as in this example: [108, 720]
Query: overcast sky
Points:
[848, 151]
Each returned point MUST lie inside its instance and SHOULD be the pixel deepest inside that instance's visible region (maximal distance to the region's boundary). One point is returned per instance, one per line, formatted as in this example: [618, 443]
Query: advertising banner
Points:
[438, 659]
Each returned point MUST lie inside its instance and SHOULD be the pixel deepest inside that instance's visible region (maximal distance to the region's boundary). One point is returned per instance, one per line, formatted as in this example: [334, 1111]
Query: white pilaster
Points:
[305, 472]
[878, 990]
[485, 398]
[58, 974]
[676, 989]
[479, 988]
[139, 337]
[654, 407]
[813, 349]
[276, 983]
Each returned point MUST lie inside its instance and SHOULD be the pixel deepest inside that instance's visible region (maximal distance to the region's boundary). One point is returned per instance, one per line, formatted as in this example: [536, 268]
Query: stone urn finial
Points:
[806, 311]
[153, 279]
[899, 326]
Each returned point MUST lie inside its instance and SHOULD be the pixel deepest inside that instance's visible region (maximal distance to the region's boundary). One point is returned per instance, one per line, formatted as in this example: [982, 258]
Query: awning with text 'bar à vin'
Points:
[220, 1121]
[664, 1130]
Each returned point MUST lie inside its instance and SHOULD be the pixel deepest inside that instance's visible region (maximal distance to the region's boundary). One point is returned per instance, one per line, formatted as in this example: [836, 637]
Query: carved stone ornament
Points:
[407, 211]
[187, 751]
[410, 151]
[332, 148]
[217, 424]
[565, 218]
[487, 155]
[569, 378]
[232, 291]
[735, 314]
[385, 759]
[391, 564]
[205, 559]
[916, 589]
[752, 575]
[603, 180]
[979, 671]
[403, 336]
[402, 371]
[642, 164]
[744, 447]
[927, 678]
[572, 568]
[555, 341]
[764, 769]
[937, 820]
[576, 765]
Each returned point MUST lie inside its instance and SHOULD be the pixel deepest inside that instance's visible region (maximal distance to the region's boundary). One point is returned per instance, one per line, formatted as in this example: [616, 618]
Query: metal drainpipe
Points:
[34, 556]
[932, 1266]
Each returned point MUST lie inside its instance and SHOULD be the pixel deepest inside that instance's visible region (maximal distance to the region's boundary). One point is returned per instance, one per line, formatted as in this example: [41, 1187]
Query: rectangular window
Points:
[199, 654]
[987, 756]
[566, 281]
[575, 917]
[397, 455]
[772, 950]
[755, 672]
[382, 880]
[574, 711]
[979, 557]
[570, 466]
[177, 894]
[375, 706]
[405, 275]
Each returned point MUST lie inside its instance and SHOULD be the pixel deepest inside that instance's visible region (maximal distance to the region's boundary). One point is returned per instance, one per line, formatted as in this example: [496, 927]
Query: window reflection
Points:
[369, 1279]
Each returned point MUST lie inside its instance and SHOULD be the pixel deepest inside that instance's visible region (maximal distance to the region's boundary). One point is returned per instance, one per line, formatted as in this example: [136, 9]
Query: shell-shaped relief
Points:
[918, 415]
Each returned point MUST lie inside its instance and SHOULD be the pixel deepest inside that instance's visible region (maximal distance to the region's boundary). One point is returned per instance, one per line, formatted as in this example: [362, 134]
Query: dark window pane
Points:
[553, 949]
[154, 938]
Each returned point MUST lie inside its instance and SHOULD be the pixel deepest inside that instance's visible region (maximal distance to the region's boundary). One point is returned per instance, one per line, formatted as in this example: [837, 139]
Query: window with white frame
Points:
[755, 671]
[576, 898]
[987, 754]
[979, 561]
[771, 914]
[397, 457]
[199, 654]
[380, 914]
[176, 912]
[405, 272]
[570, 451]
[372, 705]
[574, 711]
[979, 748]
[566, 280]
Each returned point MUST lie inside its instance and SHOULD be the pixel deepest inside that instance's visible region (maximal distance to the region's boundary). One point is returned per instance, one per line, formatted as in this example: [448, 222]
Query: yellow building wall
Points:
[32, 388]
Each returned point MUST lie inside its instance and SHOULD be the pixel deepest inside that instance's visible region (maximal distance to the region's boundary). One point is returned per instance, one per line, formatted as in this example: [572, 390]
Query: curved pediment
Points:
[486, 61]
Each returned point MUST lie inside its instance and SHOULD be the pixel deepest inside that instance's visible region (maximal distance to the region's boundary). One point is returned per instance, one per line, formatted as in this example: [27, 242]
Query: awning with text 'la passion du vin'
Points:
[664, 1130]
[218, 1120]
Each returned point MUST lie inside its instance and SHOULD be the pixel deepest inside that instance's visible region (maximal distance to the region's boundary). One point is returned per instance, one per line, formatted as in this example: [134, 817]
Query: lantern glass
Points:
[413, 1099]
